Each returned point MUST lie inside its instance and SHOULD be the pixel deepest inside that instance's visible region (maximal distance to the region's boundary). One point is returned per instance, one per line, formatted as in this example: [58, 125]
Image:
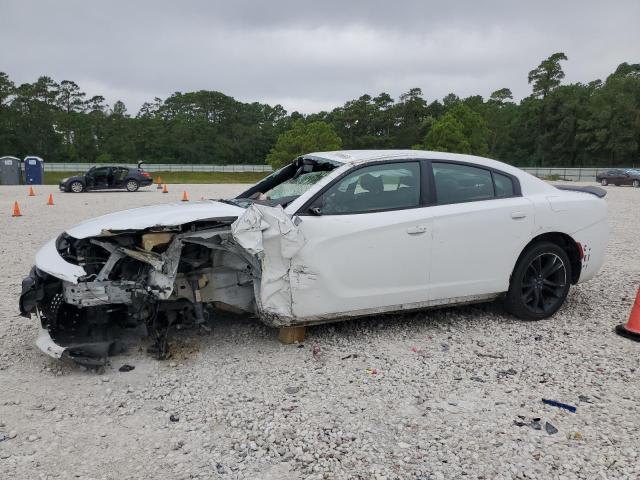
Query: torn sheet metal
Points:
[162, 279]
[153, 259]
[89, 294]
[270, 234]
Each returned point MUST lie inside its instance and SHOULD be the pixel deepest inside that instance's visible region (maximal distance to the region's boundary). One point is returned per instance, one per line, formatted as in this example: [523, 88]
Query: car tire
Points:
[604, 182]
[636, 183]
[76, 187]
[132, 185]
[540, 282]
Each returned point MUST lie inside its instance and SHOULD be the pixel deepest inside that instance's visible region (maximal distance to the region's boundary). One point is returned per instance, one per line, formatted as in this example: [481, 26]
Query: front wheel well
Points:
[565, 242]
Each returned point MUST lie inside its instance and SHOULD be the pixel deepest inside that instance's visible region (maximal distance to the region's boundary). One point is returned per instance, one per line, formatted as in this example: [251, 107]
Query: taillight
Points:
[580, 250]
[145, 174]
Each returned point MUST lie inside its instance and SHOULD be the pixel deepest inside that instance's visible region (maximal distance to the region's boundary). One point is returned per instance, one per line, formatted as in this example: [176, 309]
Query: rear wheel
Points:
[540, 282]
[604, 182]
[636, 183]
[132, 185]
[76, 187]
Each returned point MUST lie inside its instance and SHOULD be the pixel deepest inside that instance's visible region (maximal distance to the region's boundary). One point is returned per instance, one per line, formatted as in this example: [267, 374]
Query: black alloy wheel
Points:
[540, 282]
[543, 283]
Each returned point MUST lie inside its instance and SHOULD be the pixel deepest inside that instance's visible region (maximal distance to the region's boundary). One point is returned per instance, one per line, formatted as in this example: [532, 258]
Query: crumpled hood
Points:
[168, 214]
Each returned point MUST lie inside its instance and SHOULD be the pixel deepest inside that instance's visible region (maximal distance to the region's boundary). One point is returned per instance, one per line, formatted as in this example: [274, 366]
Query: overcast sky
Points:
[310, 55]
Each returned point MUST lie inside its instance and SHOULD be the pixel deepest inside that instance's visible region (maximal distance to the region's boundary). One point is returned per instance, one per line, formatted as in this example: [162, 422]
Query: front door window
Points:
[389, 186]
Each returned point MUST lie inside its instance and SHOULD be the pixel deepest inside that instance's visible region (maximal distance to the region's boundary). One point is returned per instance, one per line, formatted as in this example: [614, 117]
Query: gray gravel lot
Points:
[449, 389]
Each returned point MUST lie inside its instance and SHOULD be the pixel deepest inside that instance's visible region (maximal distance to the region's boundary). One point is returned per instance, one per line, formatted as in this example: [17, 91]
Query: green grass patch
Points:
[554, 177]
[53, 178]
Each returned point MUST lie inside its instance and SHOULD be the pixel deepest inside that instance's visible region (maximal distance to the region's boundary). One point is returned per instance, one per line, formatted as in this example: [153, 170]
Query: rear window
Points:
[504, 185]
[462, 183]
[456, 183]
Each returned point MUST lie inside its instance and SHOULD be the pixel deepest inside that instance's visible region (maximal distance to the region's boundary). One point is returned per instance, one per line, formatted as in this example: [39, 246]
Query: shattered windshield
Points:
[294, 187]
[286, 184]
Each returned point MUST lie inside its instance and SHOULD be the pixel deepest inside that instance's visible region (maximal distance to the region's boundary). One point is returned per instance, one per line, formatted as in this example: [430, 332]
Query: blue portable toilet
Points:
[33, 170]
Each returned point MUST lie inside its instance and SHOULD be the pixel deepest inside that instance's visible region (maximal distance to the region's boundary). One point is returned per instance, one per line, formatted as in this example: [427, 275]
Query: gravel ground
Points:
[433, 395]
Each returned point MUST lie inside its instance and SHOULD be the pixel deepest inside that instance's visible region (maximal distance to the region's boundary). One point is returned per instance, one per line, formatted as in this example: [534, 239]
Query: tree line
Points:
[578, 124]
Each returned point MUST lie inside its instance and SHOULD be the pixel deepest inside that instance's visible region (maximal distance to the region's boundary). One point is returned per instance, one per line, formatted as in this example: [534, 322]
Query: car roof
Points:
[110, 166]
[359, 156]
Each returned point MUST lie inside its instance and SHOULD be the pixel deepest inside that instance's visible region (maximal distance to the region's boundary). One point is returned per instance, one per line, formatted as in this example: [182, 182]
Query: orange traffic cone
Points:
[16, 210]
[159, 182]
[31, 192]
[632, 328]
[50, 201]
[165, 189]
[185, 197]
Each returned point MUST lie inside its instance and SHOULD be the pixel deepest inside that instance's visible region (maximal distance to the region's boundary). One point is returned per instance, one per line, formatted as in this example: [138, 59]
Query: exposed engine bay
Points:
[152, 278]
[110, 275]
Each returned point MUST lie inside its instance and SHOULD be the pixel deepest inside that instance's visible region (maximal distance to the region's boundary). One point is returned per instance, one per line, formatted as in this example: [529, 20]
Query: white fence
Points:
[160, 167]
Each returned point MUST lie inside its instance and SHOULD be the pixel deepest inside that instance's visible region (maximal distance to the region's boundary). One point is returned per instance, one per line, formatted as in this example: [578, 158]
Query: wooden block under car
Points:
[291, 334]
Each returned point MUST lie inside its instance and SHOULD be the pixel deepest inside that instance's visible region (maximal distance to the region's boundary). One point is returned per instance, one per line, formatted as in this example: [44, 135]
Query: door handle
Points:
[517, 215]
[417, 229]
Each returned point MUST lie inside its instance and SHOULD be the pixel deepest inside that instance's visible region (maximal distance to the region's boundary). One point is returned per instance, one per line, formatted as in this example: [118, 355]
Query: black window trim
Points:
[304, 209]
[517, 191]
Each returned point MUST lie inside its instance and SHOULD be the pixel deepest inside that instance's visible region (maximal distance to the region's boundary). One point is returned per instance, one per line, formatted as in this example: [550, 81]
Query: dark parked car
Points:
[619, 176]
[107, 178]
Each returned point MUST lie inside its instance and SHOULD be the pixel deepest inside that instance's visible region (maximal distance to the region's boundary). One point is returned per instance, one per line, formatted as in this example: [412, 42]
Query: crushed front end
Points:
[89, 293]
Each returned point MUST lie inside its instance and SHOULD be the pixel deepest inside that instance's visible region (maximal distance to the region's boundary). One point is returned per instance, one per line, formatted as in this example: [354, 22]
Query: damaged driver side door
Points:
[367, 244]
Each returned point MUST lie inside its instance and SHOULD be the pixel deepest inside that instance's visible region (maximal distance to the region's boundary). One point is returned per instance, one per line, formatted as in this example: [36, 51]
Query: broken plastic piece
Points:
[550, 428]
[126, 368]
[555, 403]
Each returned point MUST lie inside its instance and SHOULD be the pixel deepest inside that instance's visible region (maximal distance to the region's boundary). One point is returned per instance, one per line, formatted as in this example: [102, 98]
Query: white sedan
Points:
[333, 235]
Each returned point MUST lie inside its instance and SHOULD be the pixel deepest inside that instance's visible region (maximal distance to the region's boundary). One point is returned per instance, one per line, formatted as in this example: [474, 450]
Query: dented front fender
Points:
[49, 260]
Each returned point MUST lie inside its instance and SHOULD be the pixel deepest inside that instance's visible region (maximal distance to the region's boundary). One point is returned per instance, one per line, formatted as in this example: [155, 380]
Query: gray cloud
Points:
[310, 55]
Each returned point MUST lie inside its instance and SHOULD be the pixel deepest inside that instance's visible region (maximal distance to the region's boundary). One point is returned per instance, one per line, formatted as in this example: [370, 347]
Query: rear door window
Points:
[462, 183]
[119, 174]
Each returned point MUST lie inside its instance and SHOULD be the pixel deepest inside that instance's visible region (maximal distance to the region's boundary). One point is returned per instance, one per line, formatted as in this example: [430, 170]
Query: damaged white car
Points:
[331, 236]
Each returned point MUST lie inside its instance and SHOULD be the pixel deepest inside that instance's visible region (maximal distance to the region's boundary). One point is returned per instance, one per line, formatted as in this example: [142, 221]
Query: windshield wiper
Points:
[237, 202]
